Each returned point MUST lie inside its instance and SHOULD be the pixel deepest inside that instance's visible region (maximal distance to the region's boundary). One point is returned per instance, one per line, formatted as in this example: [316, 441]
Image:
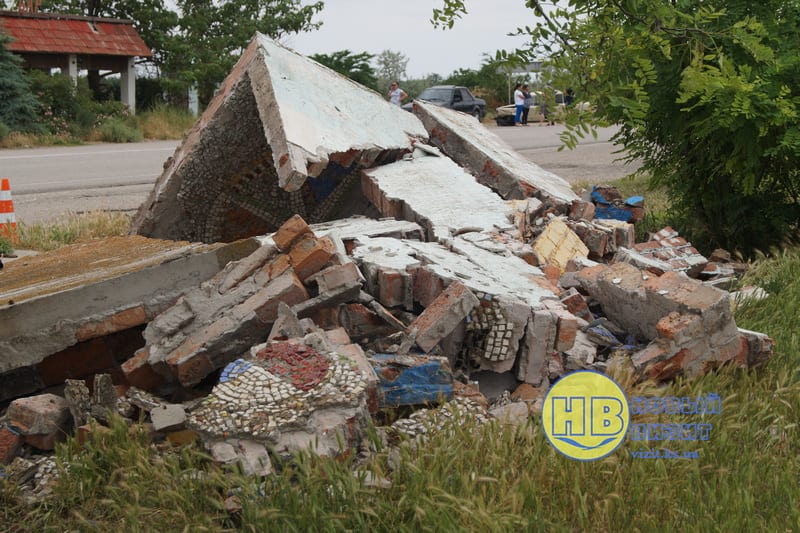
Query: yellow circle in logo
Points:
[585, 415]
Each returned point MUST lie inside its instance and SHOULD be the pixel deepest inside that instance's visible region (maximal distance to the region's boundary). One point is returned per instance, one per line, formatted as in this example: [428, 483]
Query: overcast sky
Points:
[404, 26]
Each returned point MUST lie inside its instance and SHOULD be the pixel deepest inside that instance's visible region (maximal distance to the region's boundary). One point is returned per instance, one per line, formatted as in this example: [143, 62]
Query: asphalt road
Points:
[49, 182]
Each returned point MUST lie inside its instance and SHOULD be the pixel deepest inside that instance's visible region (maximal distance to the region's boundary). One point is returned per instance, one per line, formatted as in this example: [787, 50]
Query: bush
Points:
[116, 130]
[6, 248]
[4, 131]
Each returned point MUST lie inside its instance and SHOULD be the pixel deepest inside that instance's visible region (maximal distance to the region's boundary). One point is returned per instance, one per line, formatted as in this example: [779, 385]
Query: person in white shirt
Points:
[519, 104]
[396, 95]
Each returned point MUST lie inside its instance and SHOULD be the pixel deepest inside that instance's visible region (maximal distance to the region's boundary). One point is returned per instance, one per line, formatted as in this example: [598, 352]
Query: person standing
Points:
[519, 104]
[396, 95]
[526, 104]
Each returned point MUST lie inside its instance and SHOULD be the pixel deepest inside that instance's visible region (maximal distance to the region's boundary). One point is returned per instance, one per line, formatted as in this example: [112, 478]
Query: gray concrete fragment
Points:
[491, 160]
[168, 417]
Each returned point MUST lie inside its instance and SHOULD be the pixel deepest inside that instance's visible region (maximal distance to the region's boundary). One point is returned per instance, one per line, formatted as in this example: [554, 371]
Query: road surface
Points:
[47, 183]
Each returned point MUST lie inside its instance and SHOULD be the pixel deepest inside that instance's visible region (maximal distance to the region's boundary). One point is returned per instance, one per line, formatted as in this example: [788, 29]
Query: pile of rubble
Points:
[439, 265]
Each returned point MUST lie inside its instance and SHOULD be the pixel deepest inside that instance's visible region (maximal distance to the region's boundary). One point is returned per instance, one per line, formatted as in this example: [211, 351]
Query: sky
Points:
[404, 26]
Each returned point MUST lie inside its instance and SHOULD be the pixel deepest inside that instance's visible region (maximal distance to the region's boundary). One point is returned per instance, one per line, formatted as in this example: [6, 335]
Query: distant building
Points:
[73, 43]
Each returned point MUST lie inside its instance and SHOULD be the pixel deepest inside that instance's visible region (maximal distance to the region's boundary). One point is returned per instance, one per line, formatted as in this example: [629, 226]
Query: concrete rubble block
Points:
[338, 337]
[437, 194]
[287, 325]
[43, 420]
[139, 373]
[79, 401]
[536, 347]
[558, 244]
[245, 166]
[287, 396]
[427, 286]
[620, 290]
[337, 276]
[10, 444]
[361, 322]
[253, 457]
[514, 413]
[642, 262]
[576, 304]
[566, 329]
[443, 315]
[168, 417]
[412, 380]
[245, 267]
[757, 348]
[395, 288]
[676, 292]
[489, 159]
[66, 302]
[286, 288]
[350, 229]
[582, 353]
[498, 324]
[667, 246]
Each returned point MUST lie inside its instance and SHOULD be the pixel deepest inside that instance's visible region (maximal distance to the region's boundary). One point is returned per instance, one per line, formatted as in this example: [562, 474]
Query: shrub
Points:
[4, 131]
[116, 130]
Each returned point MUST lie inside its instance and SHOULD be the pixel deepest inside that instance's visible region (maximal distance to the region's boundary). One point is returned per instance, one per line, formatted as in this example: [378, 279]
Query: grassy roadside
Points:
[158, 124]
[491, 478]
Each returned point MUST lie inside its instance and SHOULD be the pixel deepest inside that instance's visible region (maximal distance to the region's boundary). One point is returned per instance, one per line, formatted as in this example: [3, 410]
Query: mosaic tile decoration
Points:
[489, 330]
[276, 391]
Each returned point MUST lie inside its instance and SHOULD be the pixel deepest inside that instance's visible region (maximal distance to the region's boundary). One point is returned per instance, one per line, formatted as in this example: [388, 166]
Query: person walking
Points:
[519, 104]
[526, 104]
[396, 95]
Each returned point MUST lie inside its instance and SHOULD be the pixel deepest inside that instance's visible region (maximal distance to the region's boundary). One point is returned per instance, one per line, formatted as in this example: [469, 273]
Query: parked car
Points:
[453, 97]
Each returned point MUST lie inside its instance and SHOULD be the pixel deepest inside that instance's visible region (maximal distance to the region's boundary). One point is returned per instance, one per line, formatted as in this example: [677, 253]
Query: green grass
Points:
[489, 478]
[71, 229]
[164, 123]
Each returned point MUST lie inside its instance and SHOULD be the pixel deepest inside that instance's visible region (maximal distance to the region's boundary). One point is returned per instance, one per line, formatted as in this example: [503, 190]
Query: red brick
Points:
[668, 369]
[647, 246]
[392, 286]
[10, 444]
[78, 361]
[680, 328]
[652, 353]
[528, 393]
[566, 330]
[388, 207]
[427, 286]
[287, 288]
[552, 273]
[291, 230]
[576, 304]
[188, 361]
[91, 432]
[443, 315]
[309, 256]
[46, 442]
[337, 276]
[139, 373]
[580, 210]
[273, 269]
[129, 318]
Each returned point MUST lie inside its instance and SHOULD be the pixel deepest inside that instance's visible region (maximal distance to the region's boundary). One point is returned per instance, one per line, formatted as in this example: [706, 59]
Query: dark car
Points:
[454, 97]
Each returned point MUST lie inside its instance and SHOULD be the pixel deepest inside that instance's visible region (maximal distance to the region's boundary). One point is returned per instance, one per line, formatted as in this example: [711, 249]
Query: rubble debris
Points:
[558, 244]
[443, 314]
[669, 247]
[42, 420]
[412, 380]
[68, 303]
[244, 168]
[427, 421]
[490, 160]
[609, 204]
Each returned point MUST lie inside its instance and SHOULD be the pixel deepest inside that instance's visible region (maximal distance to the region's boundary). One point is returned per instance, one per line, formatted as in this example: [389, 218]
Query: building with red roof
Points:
[73, 43]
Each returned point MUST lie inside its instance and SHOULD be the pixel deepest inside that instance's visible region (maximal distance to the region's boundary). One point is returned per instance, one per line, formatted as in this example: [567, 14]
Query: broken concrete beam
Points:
[350, 229]
[536, 348]
[437, 194]
[412, 380]
[443, 315]
[243, 168]
[490, 160]
[65, 299]
[288, 396]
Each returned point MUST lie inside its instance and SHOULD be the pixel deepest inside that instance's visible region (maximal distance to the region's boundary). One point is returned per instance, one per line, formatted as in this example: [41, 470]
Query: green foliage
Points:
[4, 131]
[357, 67]
[6, 247]
[705, 94]
[18, 107]
[116, 130]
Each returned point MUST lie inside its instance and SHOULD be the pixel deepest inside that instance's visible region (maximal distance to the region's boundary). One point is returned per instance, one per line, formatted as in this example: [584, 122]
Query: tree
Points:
[200, 41]
[705, 93]
[391, 67]
[18, 107]
[357, 67]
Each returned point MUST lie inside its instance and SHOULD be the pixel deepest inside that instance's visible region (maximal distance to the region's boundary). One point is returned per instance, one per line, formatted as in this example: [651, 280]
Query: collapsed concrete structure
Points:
[475, 265]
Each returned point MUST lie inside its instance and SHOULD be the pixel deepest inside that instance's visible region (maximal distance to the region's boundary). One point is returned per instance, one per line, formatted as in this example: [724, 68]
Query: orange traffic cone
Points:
[8, 222]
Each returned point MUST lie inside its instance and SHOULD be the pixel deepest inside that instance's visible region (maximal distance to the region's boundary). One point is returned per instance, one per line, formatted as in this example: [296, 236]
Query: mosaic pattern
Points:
[489, 331]
[277, 391]
[427, 421]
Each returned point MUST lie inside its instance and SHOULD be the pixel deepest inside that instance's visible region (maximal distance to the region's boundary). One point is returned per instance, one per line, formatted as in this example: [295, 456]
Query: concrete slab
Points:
[278, 119]
[437, 194]
[52, 301]
[489, 159]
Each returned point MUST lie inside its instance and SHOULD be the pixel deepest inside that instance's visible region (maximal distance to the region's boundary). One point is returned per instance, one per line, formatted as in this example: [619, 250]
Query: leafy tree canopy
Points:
[705, 93]
[391, 67]
[357, 67]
